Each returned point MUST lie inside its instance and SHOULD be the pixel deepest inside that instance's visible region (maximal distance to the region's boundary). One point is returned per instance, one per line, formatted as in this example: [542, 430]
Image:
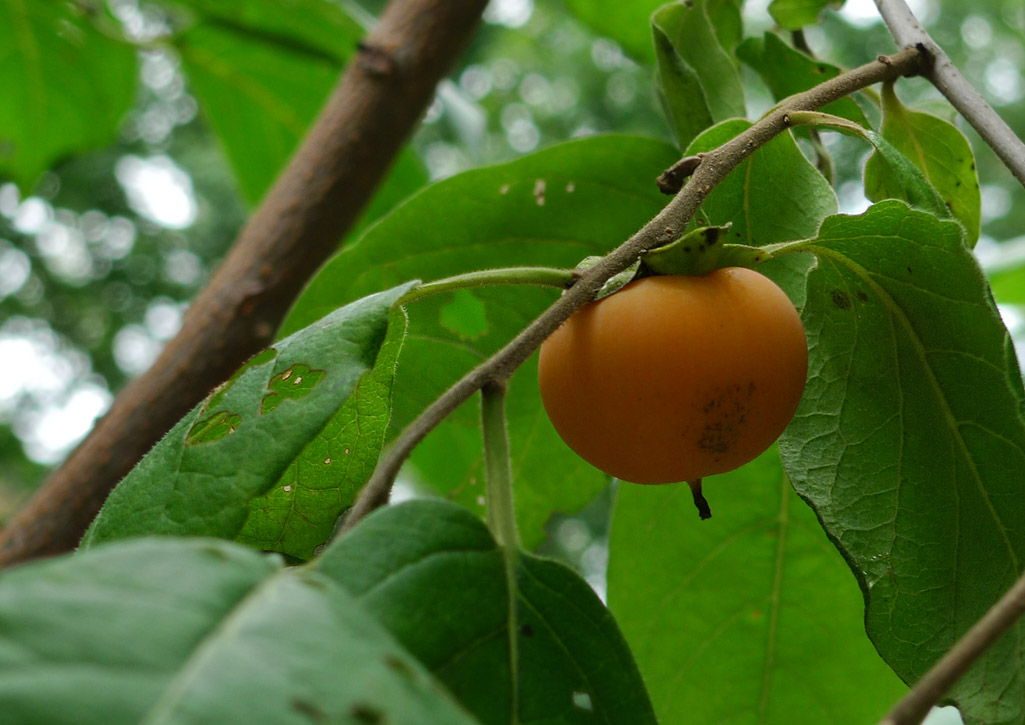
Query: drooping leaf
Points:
[276, 454]
[261, 71]
[939, 150]
[795, 14]
[551, 208]
[432, 561]
[191, 631]
[787, 71]
[909, 443]
[751, 616]
[54, 63]
[776, 195]
[698, 80]
[901, 173]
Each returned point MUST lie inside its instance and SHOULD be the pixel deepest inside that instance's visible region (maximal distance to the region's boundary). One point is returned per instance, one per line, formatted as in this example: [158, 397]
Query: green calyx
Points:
[700, 252]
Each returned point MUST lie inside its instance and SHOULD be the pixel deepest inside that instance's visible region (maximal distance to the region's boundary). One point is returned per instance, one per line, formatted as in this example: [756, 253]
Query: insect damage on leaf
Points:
[294, 383]
[261, 358]
[214, 428]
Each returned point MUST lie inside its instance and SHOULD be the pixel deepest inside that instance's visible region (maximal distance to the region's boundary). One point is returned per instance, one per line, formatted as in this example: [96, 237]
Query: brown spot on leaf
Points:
[840, 299]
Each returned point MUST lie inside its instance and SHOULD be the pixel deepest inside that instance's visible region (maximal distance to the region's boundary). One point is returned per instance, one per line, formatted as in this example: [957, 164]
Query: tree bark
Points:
[371, 112]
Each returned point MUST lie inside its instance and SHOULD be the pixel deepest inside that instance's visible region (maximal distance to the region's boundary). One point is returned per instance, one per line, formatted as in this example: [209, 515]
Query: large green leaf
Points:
[274, 455]
[625, 22]
[776, 195]
[199, 631]
[435, 577]
[553, 207]
[261, 71]
[787, 71]
[760, 620]
[941, 152]
[908, 442]
[698, 80]
[795, 14]
[65, 84]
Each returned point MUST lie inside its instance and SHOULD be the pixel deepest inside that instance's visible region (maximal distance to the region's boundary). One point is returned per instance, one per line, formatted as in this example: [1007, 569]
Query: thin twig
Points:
[376, 104]
[942, 73]
[926, 693]
[665, 227]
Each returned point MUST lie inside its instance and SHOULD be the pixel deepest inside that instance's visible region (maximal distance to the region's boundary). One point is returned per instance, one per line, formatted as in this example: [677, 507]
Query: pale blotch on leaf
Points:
[465, 315]
[582, 701]
[292, 384]
[214, 428]
[539, 192]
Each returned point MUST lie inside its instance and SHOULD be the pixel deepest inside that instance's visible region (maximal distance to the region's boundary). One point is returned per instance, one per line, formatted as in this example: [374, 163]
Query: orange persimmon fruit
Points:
[674, 378]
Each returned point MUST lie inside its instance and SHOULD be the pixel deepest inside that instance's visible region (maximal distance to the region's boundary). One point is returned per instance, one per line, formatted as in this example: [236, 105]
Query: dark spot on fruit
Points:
[725, 415]
[840, 299]
[308, 710]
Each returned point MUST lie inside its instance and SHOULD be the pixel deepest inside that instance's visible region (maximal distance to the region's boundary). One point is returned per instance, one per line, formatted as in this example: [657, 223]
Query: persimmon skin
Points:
[674, 378]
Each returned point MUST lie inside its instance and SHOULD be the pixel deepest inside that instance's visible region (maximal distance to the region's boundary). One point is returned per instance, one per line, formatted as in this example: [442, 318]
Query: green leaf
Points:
[261, 71]
[626, 22]
[940, 151]
[550, 208]
[698, 80]
[286, 443]
[776, 195]
[1008, 284]
[258, 97]
[315, 27]
[787, 71]
[299, 512]
[432, 561]
[760, 621]
[795, 14]
[191, 631]
[54, 64]
[909, 443]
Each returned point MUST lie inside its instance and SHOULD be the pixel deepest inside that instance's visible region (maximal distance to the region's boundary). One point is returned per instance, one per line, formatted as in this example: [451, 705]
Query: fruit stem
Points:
[699, 499]
[539, 276]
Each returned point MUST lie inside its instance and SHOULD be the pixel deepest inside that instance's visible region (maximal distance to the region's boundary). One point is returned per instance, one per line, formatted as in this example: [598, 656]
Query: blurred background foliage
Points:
[101, 252]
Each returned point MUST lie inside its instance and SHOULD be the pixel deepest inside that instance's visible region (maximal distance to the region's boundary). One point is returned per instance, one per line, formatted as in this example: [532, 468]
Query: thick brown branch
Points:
[942, 73]
[368, 117]
[913, 707]
[712, 169]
